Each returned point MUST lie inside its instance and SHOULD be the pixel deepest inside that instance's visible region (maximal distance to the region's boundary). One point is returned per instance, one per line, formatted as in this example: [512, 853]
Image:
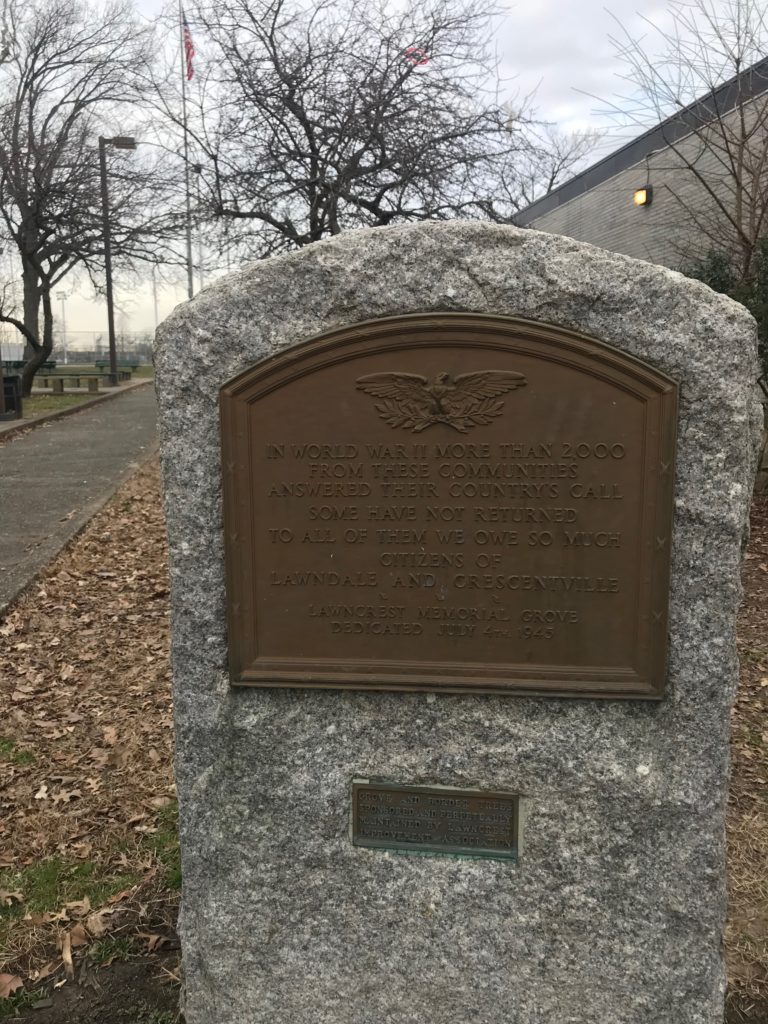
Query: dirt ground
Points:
[89, 869]
[747, 934]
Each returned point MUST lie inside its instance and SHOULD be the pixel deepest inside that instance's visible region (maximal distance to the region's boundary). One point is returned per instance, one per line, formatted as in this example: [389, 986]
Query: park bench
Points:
[121, 366]
[56, 381]
[124, 372]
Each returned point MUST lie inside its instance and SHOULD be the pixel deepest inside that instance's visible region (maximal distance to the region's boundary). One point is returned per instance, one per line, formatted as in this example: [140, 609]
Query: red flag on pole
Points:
[189, 48]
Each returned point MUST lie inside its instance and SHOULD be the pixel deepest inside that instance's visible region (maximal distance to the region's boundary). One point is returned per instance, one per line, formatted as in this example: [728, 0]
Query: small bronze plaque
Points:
[453, 503]
[435, 819]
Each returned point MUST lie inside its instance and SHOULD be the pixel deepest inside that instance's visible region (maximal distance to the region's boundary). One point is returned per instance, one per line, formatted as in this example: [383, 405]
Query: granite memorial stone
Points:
[465, 477]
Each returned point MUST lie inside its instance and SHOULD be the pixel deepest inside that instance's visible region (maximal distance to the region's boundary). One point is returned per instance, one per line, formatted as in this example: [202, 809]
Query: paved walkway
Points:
[56, 477]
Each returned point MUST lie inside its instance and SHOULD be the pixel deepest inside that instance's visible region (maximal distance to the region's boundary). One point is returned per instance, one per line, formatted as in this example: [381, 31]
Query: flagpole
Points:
[190, 275]
[198, 225]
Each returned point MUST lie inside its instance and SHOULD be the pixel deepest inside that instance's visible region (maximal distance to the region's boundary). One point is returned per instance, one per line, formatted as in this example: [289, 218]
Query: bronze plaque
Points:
[449, 502]
[434, 819]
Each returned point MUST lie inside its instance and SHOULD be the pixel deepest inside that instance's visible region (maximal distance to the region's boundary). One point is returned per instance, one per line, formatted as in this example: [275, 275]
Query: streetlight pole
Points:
[119, 142]
[61, 296]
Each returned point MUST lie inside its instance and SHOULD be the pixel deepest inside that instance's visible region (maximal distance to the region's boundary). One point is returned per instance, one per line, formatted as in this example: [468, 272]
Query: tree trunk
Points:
[34, 354]
[31, 307]
[42, 352]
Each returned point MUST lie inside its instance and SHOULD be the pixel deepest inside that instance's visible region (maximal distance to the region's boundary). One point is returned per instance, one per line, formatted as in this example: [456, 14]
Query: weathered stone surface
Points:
[614, 914]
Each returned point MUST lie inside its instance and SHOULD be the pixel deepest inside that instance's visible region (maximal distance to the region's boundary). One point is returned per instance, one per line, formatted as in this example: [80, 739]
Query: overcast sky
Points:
[561, 46]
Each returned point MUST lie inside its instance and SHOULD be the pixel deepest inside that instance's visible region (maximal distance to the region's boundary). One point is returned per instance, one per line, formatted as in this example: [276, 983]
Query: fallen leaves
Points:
[45, 971]
[9, 983]
[747, 935]
[85, 689]
[85, 939]
[79, 936]
[152, 940]
[85, 697]
[63, 796]
[76, 908]
[98, 923]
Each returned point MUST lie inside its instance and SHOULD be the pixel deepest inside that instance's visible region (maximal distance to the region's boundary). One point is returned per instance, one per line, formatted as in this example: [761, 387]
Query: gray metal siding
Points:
[663, 232]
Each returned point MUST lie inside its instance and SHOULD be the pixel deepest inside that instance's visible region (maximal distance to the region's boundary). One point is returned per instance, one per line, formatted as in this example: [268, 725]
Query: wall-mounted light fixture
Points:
[643, 196]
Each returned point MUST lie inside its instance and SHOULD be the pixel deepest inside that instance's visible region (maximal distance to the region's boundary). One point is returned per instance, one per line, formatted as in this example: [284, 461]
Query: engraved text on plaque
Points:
[434, 818]
[449, 502]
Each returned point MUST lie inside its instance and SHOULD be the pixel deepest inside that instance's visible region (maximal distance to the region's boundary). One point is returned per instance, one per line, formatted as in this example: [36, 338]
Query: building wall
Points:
[664, 232]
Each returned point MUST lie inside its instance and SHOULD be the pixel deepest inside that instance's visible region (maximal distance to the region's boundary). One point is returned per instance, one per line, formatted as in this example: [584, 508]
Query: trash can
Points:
[12, 397]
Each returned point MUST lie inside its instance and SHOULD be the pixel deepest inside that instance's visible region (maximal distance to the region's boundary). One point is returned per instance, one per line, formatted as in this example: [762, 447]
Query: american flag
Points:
[189, 47]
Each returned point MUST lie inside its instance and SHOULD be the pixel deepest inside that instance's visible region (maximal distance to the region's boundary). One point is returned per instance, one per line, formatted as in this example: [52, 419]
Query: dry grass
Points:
[747, 935]
[39, 405]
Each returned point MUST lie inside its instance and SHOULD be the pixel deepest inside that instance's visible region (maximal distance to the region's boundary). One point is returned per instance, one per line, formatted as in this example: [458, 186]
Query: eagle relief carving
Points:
[469, 400]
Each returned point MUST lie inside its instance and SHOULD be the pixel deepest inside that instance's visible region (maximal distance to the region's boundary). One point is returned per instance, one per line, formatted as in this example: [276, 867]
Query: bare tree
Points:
[71, 70]
[11, 314]
[545, 158]
[311, 118]
[704, 74]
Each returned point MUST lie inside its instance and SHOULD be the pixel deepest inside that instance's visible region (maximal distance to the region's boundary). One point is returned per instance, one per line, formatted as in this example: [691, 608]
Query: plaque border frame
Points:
[388, 334]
